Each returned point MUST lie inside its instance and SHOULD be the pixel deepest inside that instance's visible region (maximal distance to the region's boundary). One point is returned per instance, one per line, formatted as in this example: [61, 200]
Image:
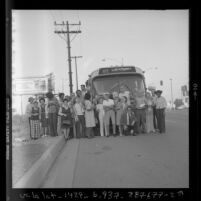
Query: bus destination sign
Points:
[116, 70]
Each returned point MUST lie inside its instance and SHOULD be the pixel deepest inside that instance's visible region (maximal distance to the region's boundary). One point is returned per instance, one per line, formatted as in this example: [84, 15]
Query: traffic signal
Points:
[161, 82]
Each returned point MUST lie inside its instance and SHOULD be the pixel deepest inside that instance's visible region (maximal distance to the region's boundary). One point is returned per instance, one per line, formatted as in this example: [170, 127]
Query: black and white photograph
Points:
[100, 98]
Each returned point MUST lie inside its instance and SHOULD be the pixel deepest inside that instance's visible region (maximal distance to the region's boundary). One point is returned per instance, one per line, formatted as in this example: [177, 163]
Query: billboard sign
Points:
[30, 85]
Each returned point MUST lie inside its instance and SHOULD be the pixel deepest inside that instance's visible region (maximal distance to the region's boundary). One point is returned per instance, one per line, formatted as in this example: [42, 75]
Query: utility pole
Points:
[75, 57]
[66, 37]
[171, 91]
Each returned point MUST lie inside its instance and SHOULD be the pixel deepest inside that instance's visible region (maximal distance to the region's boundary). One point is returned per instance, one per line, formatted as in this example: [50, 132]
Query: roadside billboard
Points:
[33, 85]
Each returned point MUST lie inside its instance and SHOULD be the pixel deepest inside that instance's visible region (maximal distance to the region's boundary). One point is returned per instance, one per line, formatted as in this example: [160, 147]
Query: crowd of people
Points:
[111, 114]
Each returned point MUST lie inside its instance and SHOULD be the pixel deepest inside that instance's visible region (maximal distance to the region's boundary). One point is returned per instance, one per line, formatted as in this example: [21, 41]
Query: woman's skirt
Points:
[35, 129]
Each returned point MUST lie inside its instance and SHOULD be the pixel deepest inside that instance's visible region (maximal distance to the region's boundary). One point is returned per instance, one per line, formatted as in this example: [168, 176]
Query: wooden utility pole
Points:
[75, 57]
[66, 37]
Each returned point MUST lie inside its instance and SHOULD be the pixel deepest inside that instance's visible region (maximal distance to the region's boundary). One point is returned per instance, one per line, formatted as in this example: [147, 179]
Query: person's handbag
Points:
[66, 122]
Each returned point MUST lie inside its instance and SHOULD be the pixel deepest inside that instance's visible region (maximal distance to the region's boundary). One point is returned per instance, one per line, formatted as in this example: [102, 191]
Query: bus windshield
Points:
[133, 83]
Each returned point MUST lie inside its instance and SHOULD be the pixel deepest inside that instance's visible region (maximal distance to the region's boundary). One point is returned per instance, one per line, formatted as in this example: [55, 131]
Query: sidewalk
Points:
[25, 154]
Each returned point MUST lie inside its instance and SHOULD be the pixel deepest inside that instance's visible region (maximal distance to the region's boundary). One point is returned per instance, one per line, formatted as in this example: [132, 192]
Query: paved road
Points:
[143, 161]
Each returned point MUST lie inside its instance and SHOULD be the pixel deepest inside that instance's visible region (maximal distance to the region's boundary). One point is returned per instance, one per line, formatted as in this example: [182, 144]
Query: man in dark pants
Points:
[79, 112]
[161, 105]
[154, 111]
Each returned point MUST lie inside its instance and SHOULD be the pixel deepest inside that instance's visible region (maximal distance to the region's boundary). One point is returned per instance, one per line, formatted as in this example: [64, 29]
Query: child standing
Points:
[35, 123]
[101, 114]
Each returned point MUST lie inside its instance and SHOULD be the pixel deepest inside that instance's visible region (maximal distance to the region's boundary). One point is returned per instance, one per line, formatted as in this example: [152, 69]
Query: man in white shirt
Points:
[161, 105]
[79, 114]
[83, 89]
[108, 106]
[140, 113]
[153, 92]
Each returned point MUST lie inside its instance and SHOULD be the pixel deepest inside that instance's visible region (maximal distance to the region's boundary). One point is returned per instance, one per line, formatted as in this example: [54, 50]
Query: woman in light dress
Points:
[89, 116]
[101, 114]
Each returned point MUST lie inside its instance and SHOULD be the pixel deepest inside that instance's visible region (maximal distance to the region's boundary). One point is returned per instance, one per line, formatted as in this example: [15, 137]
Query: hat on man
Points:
[158, 92]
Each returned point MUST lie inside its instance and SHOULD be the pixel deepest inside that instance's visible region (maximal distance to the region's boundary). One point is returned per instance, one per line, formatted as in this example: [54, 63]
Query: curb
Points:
[34, 177]
[62, 175]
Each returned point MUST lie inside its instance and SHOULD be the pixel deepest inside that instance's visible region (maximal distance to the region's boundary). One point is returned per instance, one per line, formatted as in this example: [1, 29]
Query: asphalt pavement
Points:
[143, 161]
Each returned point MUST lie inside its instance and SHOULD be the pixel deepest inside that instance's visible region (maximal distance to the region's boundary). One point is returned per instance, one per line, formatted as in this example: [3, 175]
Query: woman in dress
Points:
[89, 116]
[65, 112]
[149, 113]
[43, 116]
[34, 120]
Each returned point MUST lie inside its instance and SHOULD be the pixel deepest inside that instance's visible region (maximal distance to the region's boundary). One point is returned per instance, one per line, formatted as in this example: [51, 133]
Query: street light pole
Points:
[171, 92]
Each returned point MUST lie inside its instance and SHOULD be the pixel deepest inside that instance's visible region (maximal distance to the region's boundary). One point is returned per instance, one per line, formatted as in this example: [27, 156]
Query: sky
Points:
[154, 40]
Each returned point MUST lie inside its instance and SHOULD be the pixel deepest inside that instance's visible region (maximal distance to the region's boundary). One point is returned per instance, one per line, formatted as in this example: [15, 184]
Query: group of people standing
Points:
[131, 115]
[119, 113]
